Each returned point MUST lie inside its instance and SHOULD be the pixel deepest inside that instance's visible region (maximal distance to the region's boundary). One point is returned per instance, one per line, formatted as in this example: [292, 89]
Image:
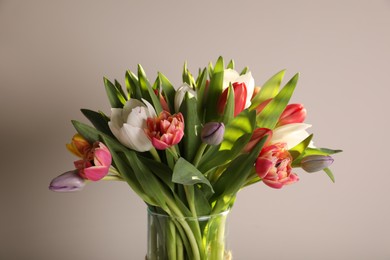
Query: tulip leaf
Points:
[126, 171]
[168, 90]
[202, 94]
[120, 89]
[192, 130]
[269, 89]
[148, 181]
[88, 132]
[187, 76]
[237, 134]
[186, 173]
[228, 113]
[117, 100]
[269, 116]
[132, 85]
[155, 100]
[161, 170]
[230, 65]
[330, 174]
[235, 177]
[299, 149]
[244, 71]
[144, 84]
[214, 91]
[98, 120]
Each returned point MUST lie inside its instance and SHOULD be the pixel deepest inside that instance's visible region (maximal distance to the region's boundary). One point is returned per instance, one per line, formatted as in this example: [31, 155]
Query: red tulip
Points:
[273, 166]
[165, 130]
[293, 113]
[240, 96]
[257, 135]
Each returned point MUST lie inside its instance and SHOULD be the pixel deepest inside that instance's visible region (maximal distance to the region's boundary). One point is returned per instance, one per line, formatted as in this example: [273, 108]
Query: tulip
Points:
[212, 133]
[315, 163]
[257, 135]
[291, 134]
[79, 146]
[293, 113]
[273, 166]
[128, 124]
[163, 102]
[232, 76]
[96, 164]
[67, 182]
[239, 98]
[165, 130]
[180, 93]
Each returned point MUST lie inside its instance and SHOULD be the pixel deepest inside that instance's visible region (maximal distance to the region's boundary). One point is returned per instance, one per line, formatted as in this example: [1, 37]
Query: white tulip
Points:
[232, 76]
[180, 93]
[292, 134]
[128, 124]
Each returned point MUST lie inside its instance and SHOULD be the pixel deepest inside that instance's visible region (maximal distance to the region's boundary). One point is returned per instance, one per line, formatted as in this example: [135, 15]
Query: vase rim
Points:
[199, 218]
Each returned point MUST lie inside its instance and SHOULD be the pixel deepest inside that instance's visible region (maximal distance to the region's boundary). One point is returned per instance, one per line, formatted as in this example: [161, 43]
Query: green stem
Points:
[112, 178]
[155, 155]
[186, 227]
[199, 154]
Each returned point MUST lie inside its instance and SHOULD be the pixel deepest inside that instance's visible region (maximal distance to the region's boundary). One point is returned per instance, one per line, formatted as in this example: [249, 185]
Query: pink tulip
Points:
[163, 102]
[257, 135]
[293, 113]
[96, 163]
[273, 166]
[165, 130]
[240, 96]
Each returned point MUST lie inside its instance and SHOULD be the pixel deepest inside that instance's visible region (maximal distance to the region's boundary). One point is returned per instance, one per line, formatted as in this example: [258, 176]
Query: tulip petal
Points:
[229, 76]
[291, 134]
[137, 138]
[263, 166]
[96, 173]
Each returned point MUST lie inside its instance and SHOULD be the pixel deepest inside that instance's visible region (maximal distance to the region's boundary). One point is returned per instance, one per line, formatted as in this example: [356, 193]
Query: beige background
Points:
[54, 54]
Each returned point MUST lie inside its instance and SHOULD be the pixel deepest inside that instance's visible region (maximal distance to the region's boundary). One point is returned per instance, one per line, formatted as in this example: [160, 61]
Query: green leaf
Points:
[313, 151]
[297, 150]
[228, 113]
[230, 65]
[88, 132]
[235, 177]
[192, 131]
[114, 95]
[125, 170]
[201, 94]
[330, 174]
[244, 71]
[144, 84]
[269, 116]
[132, 85]
[120, 89]
[168, 90]
[214, 91]
[187, 76]
[237, 134]
[98, 120]
[155, 100]
[161, 170]
[269, 89]
[149, 183]
[187, 174]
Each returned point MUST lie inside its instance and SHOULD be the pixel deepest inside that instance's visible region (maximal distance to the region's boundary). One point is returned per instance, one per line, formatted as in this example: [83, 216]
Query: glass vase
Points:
[187, 238]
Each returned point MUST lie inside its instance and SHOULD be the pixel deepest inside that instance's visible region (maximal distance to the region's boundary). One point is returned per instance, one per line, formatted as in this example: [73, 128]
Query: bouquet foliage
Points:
[187, 151]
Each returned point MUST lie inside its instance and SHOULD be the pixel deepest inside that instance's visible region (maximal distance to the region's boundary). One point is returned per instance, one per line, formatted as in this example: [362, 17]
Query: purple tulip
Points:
[315, 163]
[212, 133]
[67, 182]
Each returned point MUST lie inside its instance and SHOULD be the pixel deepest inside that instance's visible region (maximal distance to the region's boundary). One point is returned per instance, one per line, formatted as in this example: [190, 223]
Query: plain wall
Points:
[54, 54]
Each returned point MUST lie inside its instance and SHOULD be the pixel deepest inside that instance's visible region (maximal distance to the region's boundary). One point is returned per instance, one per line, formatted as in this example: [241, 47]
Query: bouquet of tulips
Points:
[187, 151]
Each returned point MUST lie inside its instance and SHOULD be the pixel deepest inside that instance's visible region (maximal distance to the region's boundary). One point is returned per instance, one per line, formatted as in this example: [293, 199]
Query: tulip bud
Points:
[315, 163]
[293, 113]
[67, 182]
[257, 135]
[212, 133]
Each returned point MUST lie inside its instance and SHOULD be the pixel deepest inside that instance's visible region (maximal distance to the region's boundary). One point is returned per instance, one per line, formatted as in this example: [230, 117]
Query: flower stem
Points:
[155, 155]
[199, 154]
